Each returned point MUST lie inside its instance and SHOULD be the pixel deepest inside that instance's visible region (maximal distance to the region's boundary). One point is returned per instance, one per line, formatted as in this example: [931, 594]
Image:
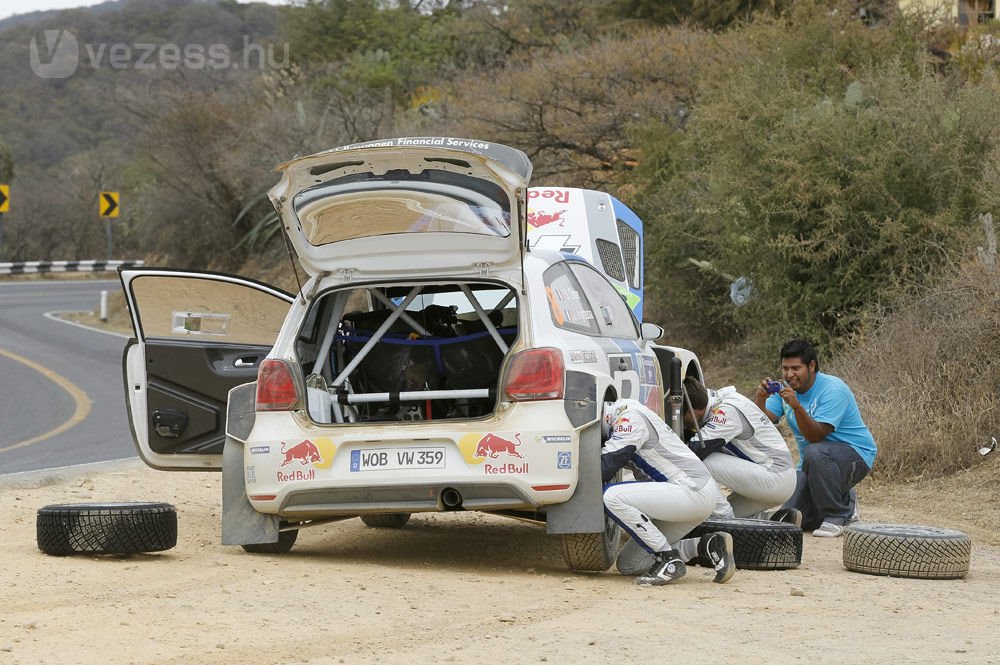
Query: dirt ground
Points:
[466, 587]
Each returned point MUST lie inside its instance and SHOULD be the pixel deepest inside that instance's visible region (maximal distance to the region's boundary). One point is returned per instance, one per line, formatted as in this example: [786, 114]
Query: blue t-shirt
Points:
[829, 401]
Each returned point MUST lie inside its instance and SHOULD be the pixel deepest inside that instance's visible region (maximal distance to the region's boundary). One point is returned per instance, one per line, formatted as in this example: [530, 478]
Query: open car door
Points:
[197, 335]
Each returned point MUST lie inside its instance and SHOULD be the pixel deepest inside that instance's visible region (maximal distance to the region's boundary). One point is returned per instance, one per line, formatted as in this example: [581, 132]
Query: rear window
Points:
[397, 202]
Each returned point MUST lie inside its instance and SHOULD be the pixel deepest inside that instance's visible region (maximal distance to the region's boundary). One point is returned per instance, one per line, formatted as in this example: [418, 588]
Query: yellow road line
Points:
[83, 403]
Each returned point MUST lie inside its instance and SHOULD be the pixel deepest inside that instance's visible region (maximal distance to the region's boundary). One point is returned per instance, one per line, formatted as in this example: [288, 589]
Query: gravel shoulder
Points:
[457, 587]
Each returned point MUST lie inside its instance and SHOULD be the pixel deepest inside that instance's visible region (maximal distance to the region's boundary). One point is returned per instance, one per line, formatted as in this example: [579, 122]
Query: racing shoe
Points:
[667, 568]
[788, 515]
[717, 548]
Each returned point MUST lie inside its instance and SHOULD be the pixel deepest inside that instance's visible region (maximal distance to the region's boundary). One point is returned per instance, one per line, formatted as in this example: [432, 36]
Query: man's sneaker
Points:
[717, 549]
[788, 515]
[667, 568]
[855, 516]
[829, 530]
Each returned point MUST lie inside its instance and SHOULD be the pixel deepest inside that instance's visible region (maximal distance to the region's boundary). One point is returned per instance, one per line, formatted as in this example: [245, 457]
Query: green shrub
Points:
[835, 178]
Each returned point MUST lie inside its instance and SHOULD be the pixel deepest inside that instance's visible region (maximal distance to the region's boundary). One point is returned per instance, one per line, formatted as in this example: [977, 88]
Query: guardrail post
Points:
[104, 305]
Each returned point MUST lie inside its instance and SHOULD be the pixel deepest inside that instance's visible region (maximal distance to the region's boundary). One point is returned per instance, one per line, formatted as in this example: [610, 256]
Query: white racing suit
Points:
[673, 491]
[753, 461]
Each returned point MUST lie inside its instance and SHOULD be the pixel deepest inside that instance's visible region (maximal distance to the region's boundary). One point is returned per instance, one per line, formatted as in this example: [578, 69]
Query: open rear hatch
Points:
[414, 206]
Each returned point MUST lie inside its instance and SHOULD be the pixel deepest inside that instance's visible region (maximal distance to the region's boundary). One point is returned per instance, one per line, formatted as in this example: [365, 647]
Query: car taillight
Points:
[536, 374]
[276, 389]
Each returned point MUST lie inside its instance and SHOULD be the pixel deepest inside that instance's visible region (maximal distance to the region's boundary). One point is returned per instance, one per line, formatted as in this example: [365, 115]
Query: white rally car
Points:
[433, 361]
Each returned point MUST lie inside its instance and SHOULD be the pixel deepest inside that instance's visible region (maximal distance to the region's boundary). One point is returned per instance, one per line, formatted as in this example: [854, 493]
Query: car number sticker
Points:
[392, 459]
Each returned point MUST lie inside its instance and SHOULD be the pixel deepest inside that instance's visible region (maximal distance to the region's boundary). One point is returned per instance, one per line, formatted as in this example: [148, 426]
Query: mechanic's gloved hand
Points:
[704, 448]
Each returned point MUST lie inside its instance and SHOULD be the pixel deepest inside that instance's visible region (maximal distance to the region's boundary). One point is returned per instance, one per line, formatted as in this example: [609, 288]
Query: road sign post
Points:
[108, 207]
[4, 207]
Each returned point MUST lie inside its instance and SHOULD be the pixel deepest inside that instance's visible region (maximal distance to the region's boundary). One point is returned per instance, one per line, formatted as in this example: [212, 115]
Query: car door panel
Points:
[198, 335]
[186, 392]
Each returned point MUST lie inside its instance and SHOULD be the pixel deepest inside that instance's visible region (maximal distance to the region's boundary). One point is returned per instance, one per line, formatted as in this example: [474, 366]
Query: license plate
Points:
[391, 459]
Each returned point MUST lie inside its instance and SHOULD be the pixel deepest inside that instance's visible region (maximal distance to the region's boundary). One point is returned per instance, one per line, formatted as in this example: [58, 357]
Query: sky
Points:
[11, 7]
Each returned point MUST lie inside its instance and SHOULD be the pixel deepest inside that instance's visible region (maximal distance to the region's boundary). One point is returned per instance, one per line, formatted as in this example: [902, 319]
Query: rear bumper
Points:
[424, 497]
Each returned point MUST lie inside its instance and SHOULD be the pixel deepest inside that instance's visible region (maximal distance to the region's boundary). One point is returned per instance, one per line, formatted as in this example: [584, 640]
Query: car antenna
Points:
[291, 259]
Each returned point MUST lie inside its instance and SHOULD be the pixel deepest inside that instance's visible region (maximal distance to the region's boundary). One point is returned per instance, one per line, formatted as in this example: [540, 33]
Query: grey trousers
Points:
[823, 485]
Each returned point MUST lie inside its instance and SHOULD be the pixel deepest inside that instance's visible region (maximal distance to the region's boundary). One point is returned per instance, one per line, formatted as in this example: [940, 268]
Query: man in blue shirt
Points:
[836, 450]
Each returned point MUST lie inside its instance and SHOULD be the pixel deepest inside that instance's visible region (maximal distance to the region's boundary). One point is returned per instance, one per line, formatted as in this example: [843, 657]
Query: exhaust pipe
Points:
[451, 499]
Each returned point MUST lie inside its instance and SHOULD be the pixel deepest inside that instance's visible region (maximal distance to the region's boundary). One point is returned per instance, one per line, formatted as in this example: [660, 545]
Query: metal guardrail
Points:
[27, 267]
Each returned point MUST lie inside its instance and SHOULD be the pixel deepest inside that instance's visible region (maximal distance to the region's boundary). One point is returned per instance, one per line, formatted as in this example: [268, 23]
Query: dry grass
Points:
[927, 379]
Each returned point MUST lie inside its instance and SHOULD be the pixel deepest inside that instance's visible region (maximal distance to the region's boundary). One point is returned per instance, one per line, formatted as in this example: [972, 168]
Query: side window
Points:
[613, 316]
[568, 306]
[207, 308]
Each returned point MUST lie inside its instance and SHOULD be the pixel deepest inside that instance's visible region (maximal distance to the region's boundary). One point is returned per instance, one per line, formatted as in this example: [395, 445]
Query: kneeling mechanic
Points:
[743, 450]
[673, 493]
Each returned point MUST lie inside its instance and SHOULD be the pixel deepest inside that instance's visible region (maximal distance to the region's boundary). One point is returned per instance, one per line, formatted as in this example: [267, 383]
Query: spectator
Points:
[836, 450]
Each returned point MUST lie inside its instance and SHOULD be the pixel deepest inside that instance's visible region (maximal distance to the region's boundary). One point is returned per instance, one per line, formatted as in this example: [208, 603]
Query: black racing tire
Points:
[907, 550]
[386, 520]
[758, 544]
[106, 528]
[592, 552]
[286, 539]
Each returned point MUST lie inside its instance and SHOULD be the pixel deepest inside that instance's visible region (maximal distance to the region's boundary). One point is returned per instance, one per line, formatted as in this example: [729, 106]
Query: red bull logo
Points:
[557, 195]
[297, 474]
[540, 219]
[622, 426]
[492, 445]
[504, 469]
[304, 452]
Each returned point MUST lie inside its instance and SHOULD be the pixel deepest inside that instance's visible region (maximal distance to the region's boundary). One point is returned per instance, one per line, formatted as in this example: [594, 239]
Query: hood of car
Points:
[407, 206]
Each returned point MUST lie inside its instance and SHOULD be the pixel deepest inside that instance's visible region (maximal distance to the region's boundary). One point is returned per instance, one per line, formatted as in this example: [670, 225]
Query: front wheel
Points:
[592, 552]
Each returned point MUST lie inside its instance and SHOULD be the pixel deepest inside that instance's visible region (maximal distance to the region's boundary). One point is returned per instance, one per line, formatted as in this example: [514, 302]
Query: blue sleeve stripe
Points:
[650, 470]
[736, 452]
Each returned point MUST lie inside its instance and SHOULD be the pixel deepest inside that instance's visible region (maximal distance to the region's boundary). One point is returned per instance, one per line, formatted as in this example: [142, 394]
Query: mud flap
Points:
[584, 512]
[241, 524]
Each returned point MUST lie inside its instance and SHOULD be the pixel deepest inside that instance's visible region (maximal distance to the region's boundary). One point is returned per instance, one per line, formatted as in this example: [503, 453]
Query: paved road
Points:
[61, 394]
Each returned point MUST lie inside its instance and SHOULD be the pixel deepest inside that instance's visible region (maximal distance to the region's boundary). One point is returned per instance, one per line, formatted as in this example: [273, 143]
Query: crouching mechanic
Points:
[742, 449]
[672, 494]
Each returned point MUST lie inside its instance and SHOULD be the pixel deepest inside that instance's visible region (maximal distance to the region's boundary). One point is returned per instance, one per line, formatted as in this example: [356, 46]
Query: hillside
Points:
[844, 183]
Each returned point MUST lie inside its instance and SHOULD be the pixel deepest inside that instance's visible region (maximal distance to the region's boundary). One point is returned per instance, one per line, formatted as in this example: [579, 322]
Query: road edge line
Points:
[80, 399]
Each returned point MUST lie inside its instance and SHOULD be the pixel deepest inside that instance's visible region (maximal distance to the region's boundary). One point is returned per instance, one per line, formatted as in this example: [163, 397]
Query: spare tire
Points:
[907, 550]
[106, 528]
[758, 544]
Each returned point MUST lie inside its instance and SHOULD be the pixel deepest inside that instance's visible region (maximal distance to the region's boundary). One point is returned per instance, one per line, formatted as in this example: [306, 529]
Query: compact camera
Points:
[774, 387]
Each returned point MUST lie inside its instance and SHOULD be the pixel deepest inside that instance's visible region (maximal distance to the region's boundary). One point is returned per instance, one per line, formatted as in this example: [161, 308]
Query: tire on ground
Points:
[286, 539]
[592, 552]
[907, 550]
[106, 528]
[758, 544]
[386, 520]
